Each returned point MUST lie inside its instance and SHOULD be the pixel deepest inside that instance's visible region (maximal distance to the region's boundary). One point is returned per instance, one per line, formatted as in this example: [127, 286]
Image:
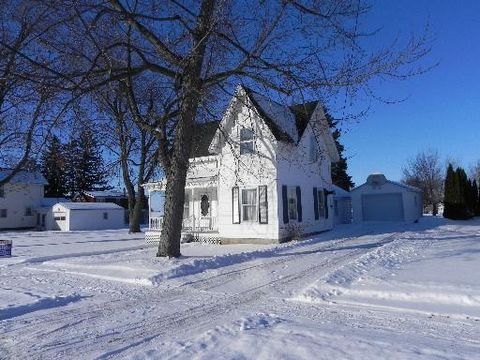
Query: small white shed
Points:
[342, 205]
[69, 216]
[380, 199]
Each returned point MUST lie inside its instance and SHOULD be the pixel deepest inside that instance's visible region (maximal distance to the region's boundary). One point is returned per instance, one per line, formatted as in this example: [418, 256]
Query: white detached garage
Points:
[69, 216]
[380, 199]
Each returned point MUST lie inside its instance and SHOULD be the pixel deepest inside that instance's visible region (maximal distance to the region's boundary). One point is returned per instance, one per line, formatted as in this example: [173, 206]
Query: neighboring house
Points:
[19, 198]
[342, 206]
[380, 199]
[69, 216]
[262, 174]
[111, 196]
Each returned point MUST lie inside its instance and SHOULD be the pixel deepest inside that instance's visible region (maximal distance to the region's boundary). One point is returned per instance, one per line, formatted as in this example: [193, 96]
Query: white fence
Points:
[193, 224]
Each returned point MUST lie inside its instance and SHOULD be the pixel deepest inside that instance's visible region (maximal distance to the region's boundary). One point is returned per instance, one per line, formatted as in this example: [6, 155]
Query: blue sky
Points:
[442, 107]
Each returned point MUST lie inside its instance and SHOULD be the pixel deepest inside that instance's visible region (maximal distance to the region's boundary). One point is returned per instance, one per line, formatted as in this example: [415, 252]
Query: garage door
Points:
[382, 207]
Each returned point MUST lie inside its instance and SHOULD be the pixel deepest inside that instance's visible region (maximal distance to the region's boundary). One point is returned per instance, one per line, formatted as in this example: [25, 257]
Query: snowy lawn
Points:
[358, 292]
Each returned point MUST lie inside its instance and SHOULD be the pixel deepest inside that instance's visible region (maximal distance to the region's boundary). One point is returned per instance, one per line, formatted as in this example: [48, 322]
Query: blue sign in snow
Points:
[5, 248]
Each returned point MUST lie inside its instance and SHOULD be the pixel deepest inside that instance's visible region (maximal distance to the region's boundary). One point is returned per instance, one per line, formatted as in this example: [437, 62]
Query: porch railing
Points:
[192, 223]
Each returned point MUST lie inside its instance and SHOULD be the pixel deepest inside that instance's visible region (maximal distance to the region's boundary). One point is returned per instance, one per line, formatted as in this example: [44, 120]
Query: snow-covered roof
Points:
[279, 114]
[89, 206]
[380, 179]
[105, 193]
[24, 177]
[340, 193]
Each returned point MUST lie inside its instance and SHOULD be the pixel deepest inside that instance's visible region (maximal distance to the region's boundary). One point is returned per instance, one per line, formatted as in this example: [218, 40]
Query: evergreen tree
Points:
[475, 198]
[90, 172]
[71, 151]
[340, 176]
[458, 190]
[53, 168]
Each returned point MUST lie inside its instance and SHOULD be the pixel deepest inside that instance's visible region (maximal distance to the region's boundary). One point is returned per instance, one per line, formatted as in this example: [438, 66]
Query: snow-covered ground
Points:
[358, 292]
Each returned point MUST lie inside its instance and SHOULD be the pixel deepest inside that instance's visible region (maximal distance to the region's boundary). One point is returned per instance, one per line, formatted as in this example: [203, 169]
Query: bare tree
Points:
[475, 171]
[26, 108]
[199, 50]
[426, 172]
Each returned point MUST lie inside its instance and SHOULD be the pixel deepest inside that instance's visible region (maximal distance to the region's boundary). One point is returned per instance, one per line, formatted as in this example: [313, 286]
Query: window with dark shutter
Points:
[263, 205]
[315, 203]
[235, 206]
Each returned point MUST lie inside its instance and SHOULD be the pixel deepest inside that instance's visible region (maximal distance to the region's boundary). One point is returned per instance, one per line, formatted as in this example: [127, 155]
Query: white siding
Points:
[247, 171]
[16, 200]
[295, 169]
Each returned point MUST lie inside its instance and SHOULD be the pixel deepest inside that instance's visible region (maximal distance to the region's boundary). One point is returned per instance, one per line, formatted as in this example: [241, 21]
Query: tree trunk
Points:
[434, 209]
[190, 90]
[136, 214]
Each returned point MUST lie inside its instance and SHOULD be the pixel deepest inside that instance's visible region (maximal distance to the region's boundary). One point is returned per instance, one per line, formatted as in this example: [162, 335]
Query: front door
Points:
[204, 210]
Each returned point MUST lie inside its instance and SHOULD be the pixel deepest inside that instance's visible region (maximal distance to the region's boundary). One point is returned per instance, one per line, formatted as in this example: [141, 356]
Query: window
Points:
[321, 202]
[246, 141]
[292, 203]
[28, 211]
[105, 216]
[249, 204]
[58, 218]
[313, 149]
[3, 213]
[2, 192]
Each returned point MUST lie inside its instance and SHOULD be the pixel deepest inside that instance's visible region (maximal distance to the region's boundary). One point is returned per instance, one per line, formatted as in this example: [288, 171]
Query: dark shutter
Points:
[285, 204]
[315, 203]
[262, 205]
[235, 205]
[326, 192]
[299, 204]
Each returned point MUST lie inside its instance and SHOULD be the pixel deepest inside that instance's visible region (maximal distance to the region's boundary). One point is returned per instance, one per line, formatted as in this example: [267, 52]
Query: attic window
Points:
[313, 149]
[246, 141]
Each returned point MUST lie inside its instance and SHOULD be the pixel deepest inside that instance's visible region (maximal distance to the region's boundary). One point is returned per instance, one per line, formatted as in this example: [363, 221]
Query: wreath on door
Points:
[204, 205]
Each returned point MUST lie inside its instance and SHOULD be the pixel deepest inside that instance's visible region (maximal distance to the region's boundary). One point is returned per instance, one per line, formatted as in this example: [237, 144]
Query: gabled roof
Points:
[24, 177]
[303, 114]
[89, 206]
[202, 138]
[380, 179]
[286, 123]
[105, 193]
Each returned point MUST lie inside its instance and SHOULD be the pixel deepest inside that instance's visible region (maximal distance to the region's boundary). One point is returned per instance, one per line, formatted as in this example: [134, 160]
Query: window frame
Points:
[292, 190]
[28, 211]
[243, 205]
[3, 213]
[248, 141]
[321, 201]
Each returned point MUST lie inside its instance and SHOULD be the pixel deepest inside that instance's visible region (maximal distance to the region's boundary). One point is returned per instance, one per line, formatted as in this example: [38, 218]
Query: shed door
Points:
[382, 207]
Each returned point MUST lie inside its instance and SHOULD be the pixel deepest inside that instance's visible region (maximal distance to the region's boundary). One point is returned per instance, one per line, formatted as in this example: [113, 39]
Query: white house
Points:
[262, 174]
[19, 198]
[69, 216]
[342, 206]
[380, 199]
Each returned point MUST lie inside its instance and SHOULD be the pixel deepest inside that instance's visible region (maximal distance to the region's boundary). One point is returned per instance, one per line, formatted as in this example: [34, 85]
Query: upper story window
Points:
[247, 139]
[313, 151]
[2, 192]
[292, 203]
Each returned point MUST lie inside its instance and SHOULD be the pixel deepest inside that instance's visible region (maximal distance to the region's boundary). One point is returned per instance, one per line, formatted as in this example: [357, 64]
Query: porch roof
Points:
[198, 182]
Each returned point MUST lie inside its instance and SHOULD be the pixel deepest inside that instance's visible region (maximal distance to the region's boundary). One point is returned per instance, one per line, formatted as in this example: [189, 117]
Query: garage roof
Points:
[89, 206]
